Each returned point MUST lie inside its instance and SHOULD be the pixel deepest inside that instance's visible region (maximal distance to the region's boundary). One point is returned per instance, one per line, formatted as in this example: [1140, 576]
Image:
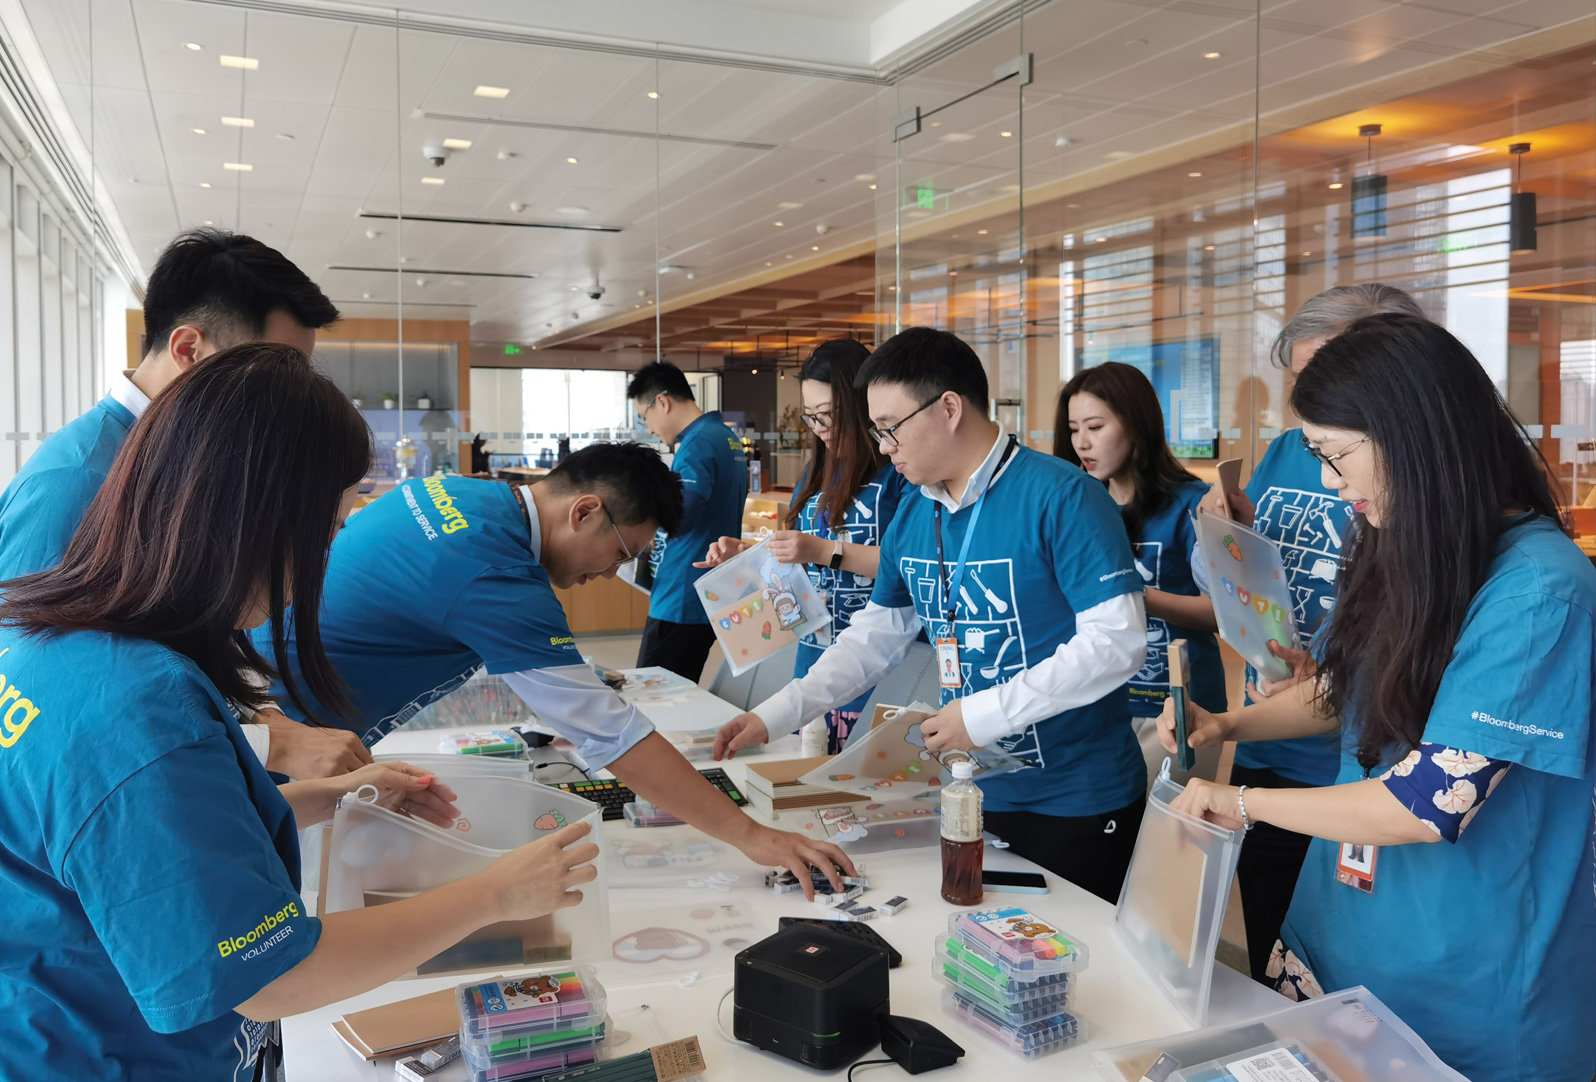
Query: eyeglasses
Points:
[890, 433]
[627, 553]
[642, 413]
[818, 421]
[1330, 460]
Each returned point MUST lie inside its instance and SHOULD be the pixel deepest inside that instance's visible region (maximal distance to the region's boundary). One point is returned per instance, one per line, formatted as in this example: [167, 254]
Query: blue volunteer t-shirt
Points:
[1049, 544]
[1310, 524]
[1486, 947]
[1163, 549]
[425, 585]
[42, 506]
[709, 459]
[846, 593]
[149, 869]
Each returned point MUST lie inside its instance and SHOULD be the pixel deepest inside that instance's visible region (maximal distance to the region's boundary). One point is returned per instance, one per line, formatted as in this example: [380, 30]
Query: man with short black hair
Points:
[444, 576]
[709, 460]
[1018, 567]
[209, 290]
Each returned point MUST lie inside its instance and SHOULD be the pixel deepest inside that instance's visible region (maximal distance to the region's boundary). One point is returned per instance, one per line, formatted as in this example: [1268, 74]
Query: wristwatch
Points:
[836, 555]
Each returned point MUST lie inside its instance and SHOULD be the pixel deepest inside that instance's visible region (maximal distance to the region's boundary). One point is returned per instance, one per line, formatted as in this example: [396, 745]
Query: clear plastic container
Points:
[1017, 942]
[498, 743]
[376, 856]
[757, 605]
[1289, 1062]
[974, 979]
[518, 1028]
[534, 1064]
[1172, 905]
[1044, 1037]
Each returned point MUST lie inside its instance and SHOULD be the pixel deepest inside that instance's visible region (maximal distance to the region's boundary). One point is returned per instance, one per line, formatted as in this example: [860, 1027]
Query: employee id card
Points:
[948, 671]
[1355, 865]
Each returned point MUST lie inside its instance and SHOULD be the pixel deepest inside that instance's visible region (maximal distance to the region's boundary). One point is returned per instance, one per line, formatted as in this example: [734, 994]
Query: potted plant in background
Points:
[424, 401]
[389, 400]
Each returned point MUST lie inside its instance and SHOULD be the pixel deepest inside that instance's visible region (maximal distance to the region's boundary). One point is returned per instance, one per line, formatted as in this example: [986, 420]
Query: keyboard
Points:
[612, 795]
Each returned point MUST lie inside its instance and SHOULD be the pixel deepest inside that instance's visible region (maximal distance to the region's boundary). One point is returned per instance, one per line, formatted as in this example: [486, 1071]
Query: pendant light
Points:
[1520, 207]
[1368, 193]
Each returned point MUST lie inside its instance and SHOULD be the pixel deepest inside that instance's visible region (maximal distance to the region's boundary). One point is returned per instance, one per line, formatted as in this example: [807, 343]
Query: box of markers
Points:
[547, 1021]
[1011, 975]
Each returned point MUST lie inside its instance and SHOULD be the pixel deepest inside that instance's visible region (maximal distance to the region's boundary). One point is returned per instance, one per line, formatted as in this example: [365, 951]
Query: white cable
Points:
[720, 1009]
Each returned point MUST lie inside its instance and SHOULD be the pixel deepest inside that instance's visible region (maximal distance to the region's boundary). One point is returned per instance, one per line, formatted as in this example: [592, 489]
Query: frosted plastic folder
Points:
[891, 761]
[1351, 1033]
[1251, 594]
[1173, 902]
[874, 828]
[484, 701]
[758, 605]
[378, 856]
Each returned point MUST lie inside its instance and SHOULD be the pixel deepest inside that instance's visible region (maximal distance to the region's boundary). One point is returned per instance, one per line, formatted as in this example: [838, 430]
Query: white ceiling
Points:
[1120, 77]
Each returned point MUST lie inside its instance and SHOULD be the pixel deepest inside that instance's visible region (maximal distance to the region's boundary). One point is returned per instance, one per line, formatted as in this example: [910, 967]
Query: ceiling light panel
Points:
[238, 122]
[244, 63]
[496, 92]
[457, 144]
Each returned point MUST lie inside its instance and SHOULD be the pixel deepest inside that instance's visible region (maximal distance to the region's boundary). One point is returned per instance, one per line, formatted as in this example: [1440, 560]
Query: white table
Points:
[1118, 1002]
[674, 703]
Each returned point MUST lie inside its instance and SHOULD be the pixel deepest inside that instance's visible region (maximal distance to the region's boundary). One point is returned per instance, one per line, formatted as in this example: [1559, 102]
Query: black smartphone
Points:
[1013, 882]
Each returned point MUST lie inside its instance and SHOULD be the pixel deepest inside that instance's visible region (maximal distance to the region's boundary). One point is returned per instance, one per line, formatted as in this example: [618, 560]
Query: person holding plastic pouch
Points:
[1287, 503]
[714, 482]
[842, 507]
[1110, 424]
[1452, 863]
[1019, 569]
[154, 927]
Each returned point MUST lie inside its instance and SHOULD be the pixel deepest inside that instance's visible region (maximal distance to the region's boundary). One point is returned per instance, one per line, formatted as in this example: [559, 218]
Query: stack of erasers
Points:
[839, 905]
[548, 1021]
[1011, 976]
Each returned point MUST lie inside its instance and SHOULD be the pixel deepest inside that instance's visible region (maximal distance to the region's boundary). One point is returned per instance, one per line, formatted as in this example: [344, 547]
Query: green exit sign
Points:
[511, 351]
[925, 198]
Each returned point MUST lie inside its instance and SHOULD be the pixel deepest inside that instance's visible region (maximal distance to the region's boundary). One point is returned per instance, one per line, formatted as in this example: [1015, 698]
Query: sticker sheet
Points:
[1250, 591]
[891, 760]
[758, 605]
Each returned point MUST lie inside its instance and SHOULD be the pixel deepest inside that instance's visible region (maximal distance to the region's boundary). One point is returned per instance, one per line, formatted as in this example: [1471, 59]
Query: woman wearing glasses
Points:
[1452, 864]
[839, 512]
[1287, 502]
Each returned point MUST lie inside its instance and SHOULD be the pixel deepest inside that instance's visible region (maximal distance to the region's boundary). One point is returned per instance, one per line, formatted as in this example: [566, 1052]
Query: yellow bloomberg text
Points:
[453, 520]
[267, 923]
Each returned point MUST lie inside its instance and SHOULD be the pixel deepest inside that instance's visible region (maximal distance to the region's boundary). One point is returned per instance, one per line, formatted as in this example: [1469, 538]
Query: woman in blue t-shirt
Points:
[149, 867]
[1288, 503]
[841, 508]
[1110, 423]
[1457, 670]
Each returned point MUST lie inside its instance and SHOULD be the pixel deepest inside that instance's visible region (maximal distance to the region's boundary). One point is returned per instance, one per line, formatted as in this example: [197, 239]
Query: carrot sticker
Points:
[1233, 548]
[764, 632]
[711, 596]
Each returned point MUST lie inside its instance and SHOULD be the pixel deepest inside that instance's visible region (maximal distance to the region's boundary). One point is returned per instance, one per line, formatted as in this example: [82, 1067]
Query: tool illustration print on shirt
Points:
[846, 591]
[990, 631]
[1311, 528]
[1152, 679]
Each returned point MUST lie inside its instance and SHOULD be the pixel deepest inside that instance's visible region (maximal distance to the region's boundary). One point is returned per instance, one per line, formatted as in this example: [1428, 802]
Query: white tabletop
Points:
[674, 703]
[1118, 1002]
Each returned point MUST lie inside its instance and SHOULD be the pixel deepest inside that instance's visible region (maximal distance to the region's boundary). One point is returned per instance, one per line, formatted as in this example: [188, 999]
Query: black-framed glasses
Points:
[821, 419]
[1330, 460]
[890, 433]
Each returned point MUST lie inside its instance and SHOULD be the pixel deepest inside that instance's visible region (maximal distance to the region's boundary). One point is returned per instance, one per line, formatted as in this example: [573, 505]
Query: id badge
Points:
[948, 671]
[1355, 866]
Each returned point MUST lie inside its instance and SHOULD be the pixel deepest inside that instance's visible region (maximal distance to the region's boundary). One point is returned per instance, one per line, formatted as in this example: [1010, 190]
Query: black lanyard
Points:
[942, 567]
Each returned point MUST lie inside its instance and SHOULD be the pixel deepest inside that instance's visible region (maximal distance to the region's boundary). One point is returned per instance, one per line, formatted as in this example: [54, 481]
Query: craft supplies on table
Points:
[535, 1025]
[500, 743]
[1011, 975]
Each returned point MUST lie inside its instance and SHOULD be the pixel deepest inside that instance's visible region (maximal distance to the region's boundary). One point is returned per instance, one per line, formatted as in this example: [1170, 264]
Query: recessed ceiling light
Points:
[936, 123]
[1208, 247]
[1006, 134]
[199, 131]
[209, 222]
[1307, 253]
[205, 184]
[570, 161]
[1211, 56]
[864, 176]
[571, 212]
[492, 92]
[892, 289]
[247, 63]
[239, 167]
[953, 274]
[788, 206]
[980, 232]
[238, 122]
[872, 187]
[814, 247]
[957, 137]
[1194, 174]
[192, 46]
[770, 264]
[789, 255]
[1100, 240]
[432, 180]
[1335, 185]
[653, 93]
[778, 225]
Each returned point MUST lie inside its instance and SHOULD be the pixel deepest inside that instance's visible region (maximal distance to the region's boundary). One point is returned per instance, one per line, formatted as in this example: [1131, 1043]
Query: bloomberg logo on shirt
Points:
[258, 934]
[1527, 730]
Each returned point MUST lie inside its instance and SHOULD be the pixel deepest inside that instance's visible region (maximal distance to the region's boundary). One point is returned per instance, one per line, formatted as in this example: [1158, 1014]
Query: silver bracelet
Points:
[1241, 806]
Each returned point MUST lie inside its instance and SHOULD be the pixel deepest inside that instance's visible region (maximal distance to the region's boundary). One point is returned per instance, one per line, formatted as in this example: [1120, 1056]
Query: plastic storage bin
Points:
[1350, 1033]
[757, 605]
[1017, 943]
[377, 856]
[534, 1025]
[1052, 1034]
[1173, 902]
[973, 980]
[1287, 1062]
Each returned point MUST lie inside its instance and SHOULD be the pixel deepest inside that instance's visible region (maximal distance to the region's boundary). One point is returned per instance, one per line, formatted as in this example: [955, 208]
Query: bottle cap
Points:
[962, 769]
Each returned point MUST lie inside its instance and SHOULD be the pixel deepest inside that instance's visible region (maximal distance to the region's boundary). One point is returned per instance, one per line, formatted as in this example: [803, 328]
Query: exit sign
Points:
[511, 351]
[925, 198]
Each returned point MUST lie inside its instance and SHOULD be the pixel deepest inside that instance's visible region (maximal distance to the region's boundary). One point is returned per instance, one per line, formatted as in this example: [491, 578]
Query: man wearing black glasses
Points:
[1019, 569]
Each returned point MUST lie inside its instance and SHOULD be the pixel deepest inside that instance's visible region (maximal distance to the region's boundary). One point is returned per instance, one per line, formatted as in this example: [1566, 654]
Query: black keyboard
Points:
[611, 795]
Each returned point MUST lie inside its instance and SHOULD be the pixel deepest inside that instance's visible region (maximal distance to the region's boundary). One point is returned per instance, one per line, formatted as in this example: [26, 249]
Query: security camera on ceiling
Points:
[436, 153]
[595, 291]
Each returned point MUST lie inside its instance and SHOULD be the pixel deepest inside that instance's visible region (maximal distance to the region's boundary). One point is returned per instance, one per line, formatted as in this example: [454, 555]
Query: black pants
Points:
[1091, 851]
[1271, 859]
[681, 648]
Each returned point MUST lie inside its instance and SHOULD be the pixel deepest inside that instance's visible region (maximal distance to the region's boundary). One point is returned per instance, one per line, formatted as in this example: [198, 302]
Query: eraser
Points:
[895, 904]
[855, 881]
[439, 1054]
[788, 888]
[864, 912]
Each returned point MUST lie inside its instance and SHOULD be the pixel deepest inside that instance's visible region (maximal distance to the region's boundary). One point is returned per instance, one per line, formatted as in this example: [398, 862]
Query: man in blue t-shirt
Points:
[1018, 567]
[209, 290]
[447, 575]
[709, 460]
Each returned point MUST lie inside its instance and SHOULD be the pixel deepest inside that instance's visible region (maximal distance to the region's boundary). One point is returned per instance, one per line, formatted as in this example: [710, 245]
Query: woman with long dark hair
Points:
[149, 868]
[1457, 668]
[1110, 423]
[842, 506]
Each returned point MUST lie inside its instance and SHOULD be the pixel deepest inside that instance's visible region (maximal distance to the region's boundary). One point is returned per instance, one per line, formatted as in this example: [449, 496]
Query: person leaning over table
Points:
[447, 575]
[149, 867]
[1019, 563]
[209, 290]
[847, 497]
[1458, 670]
[1286, 502]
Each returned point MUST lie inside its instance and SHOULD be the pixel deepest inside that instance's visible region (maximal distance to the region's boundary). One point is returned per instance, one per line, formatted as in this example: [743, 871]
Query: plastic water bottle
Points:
[961, 837]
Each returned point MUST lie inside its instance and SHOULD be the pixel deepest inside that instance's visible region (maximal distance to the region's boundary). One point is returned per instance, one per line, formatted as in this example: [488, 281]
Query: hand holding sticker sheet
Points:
[757, 605]
[892, 759]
